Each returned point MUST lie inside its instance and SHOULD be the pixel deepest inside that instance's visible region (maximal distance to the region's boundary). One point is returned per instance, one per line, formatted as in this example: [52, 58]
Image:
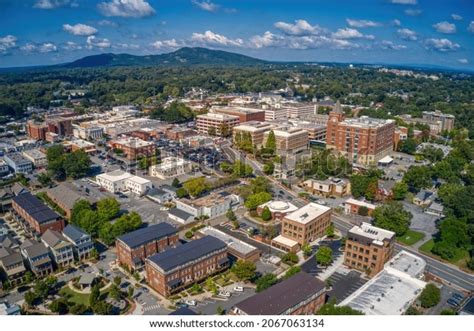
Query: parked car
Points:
[238, 289]
[181, 305]
[190, 302]
[224, 294]
[453, 303]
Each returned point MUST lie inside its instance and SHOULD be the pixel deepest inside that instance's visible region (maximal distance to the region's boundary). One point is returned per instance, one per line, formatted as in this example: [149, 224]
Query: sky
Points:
[422, 32]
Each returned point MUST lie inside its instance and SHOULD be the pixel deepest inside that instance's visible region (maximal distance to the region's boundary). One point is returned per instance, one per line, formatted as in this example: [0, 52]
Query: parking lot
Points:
[311, 266]
[344, 285]
[209, 306]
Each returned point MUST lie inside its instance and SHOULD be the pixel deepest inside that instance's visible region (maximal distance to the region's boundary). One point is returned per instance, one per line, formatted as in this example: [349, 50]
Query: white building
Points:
[38, 158]
[88, 132]
[275, 114]
[212, 205]
[4, 169]
[170, 167]
[120, 181]
[393, 290]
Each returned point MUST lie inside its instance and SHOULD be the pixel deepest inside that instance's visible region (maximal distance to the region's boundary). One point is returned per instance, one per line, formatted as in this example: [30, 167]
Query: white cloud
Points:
[412, 12]
[52, 4]
[463, 61]
[167, 44]
[206, 5]
[214, 39]
[404, 2]
[456, 17]
[7, 42]
[93, 42]
[299, 28]
[445, 27]
[126, 46]
[107, 23]
[80, 29]
[269, 39]
[441, 45]
[349, 33]
[362, 23]
[41, 48]
[72, 46]
[126, 8]
[396, 22]
[28, 47]
[407, 34]
[387, 44]
[470, 28]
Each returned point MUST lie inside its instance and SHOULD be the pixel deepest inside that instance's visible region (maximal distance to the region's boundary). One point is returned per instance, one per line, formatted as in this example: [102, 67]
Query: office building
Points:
[121, 181]
[133, 148]
[216, 124]
[171, 167]
[328, 187]
[18, 163]
[252, 131]
[244, 114]
[289, 140]
[211, 205]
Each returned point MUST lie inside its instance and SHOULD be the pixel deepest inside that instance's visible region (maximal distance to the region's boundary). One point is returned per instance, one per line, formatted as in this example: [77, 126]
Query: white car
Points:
[238, 289]
[190, 302]
[224, 294]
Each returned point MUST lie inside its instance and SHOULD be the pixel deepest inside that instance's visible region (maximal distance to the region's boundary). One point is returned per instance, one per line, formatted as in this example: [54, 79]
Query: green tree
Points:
[102, 308]
[266, 214]
[255, 200]
[108, 208]
[77, 164]
[211, 286]
[270, 144]
[307, 250]
[114, 292]
[293, 270]
[196, 186]
[330, 233]
[44, 179]
[30, 298]
[231, 215]
[399, 190]
[363, 211]
[324, 256]
[59, 306]
[268, 168]
[290, 258]
[241, 169]
[430, 296]
[331, 309]
[413, 311]
[176, 183]
[418, 177]
[94, 296]
[448, 312]
[181, 192]
[392, 217]
[244, 270]
[260, 184]
[55, 161]
[265, 282]
[130, 292]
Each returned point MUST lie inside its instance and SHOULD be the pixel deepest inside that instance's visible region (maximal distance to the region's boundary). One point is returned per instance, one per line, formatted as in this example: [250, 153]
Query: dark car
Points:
[453, 303]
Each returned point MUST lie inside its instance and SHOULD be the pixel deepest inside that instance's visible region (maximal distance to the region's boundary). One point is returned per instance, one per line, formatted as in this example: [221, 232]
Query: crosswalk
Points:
[151, 307]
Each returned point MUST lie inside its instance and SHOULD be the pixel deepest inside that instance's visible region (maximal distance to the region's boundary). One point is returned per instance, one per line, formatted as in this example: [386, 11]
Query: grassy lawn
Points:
[460, 259]
[77, 298]
[427, 246]
[411, 237]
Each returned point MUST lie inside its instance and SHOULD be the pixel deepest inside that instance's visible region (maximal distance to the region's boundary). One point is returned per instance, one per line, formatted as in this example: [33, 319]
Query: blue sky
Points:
[430, 32]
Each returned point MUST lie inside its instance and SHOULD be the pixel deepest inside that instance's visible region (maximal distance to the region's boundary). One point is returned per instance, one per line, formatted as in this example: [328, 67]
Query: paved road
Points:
[444, 271]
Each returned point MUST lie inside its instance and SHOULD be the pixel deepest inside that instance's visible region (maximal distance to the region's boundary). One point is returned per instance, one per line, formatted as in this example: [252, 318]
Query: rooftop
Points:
[218, 117]
[307, 213]
[377, 235]
[115, 176]
[360, 203]
[282, 296]
[74, 233]
[66, 194]
[142, 236]
[231, 242]
[35, 208]
[279, 206]
[180, 213]
[133, 142]
[367, 122]
[252, 126]
[176, 257]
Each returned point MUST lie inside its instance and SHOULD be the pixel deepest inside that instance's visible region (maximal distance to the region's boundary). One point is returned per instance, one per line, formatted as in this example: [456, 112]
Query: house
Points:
[301, 294]
[424, 198]
[159, 195]
[180, 216]
[8, 309]
[11, 262]
[61, 249]
[328, 187]
[81, 241]
[435, 208]
[352, 207]
[37, 256]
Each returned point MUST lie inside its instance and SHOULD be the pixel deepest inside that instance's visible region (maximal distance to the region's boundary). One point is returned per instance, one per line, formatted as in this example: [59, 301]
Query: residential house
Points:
[61, 249]
[81, 241]
[37, 257]
[11, 262]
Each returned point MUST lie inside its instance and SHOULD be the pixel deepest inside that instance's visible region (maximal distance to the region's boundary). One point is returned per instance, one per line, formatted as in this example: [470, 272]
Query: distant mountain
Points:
[184, 56]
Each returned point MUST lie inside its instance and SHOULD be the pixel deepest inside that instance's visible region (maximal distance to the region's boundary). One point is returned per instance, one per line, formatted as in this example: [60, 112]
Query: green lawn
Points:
[411, 237]
[460, 259]
[427, 246]
[77, 298]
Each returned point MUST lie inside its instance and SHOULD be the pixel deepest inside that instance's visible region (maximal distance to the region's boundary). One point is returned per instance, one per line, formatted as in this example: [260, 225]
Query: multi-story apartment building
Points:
[37, 157]
[134, 148]
[362, 140]
[118, 181]
[303, 226]
[216, 124]
[368, 248]
[171, 167]
[81, 241]
[435, 125]
[301, 294]
[289, 140]
[253, 129]
[18, 163]
[36, 130]
[134, 247]
[61, 249]
[37, 257]
[244, 114]
[11, 262]
[447, 120]
[34, 215]
[174, 269]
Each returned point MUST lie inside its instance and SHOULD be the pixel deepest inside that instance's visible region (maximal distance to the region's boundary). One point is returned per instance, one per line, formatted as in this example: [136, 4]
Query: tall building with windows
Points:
[216, 124]
[362, 140]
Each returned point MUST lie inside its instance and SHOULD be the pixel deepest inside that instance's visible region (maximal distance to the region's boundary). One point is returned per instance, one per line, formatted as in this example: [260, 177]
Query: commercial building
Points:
[34, 215]
[328, 187]
[160, 195]
[303, 226]
[362, 140]
[244, 114]
[289, 140]
[180, 216]
[171, 167]
[36, 130]
[447, 120]
[393, 290]
[275, 114]
[299, 110]
[253, 129]
[61, 249]
[83, 145]
[368, 248]
[278, 208]
[66, 197]
[211, 205]
[134, 247]
[88, 132]
[121, 181]
[81, 241]
[11, 262]
[61, 126]
[37, 157]
[216, 124]
[4, 169]
[170, 271]
[436, 126]
[301, 294]
[18, 163]
[236, 248]
[133, 148]
[37, 257]
[352, 206]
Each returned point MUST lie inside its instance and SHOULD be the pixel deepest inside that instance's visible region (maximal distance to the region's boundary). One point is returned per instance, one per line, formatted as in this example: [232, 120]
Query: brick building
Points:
[362, 140]
[171, 271]
[244, 114]
[301, 294]
[134, 247]
[368, 248]
[134, 148]
[59, 125]
[303, 226]
[34, 215]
